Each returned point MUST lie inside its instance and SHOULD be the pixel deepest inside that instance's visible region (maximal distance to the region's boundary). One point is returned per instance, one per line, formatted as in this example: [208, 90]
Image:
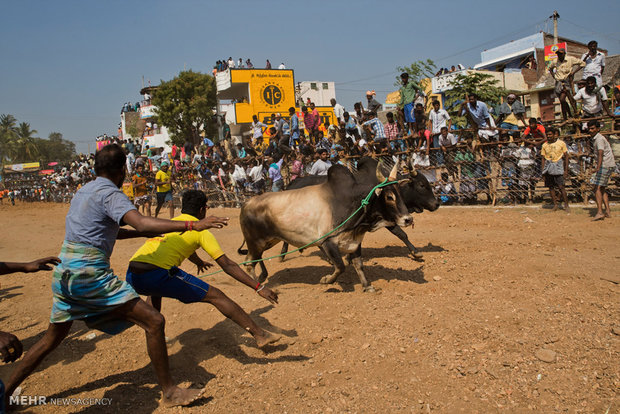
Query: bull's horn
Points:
[393, 173]
[413, 171]
[380, 175]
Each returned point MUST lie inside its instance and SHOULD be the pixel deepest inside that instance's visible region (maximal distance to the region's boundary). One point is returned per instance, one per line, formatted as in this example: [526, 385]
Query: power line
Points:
[394, 72]
[590, 31]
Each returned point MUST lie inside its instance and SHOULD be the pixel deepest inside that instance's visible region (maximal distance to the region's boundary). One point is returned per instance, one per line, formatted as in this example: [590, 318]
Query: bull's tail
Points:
[242, 251]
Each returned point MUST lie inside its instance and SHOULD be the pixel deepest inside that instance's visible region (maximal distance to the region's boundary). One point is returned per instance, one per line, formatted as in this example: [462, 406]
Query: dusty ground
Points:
[462, 332]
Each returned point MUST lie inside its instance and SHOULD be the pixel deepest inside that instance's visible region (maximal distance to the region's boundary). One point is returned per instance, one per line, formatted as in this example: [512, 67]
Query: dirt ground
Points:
[511, 311]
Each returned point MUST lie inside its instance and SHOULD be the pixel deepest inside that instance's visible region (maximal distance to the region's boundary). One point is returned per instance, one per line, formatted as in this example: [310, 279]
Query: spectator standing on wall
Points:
[407, 97]
[268, 64]
[562, 71]
[595, 63]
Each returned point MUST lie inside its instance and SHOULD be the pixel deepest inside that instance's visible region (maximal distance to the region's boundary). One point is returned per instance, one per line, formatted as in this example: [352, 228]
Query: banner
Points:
[25, 167]
[101, 144]
[550, 52]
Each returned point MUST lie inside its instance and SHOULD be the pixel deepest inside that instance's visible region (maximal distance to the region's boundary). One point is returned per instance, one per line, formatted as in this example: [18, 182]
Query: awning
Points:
[505, 59]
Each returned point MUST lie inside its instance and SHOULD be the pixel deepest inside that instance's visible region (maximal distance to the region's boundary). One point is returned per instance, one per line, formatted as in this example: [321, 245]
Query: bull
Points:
[302, 216]
[417, 194]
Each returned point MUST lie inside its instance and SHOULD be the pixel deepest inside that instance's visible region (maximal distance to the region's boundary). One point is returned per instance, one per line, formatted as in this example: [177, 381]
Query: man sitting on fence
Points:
[479, 113]
[555, 167]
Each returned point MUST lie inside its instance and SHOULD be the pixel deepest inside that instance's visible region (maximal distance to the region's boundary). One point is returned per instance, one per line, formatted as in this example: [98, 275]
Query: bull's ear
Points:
[404, 181]
[378, 191]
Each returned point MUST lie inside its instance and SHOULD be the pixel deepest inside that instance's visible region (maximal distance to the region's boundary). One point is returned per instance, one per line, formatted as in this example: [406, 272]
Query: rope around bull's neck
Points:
[363, 204]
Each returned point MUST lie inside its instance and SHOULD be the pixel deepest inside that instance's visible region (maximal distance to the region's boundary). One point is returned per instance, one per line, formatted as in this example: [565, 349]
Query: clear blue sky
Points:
[68, 66]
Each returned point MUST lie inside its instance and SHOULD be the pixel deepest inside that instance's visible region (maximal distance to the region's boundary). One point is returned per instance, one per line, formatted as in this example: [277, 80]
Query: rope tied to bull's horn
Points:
[365, 201]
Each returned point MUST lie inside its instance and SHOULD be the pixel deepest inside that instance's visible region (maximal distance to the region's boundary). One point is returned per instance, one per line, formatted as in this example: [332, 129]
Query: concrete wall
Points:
[320, 96]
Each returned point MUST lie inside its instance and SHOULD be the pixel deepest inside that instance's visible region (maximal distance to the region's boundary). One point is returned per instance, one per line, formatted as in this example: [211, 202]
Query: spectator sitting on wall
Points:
[511, 112]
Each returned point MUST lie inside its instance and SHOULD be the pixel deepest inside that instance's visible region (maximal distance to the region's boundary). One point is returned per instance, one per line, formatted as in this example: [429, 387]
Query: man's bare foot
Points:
[266, 339]
[555, 207]
[567, 208]
[599, 216]
[607, 215]
[181, 396]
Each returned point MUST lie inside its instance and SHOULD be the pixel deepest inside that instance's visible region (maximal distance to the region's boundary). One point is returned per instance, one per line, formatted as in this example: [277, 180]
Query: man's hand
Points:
[10, 347]
[41, 264]
[269, 294]
[201, 267]
[211, 222]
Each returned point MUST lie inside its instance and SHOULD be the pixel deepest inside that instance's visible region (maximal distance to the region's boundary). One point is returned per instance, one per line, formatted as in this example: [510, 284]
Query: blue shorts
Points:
[168, 283]
[163, 197]
[408, 109]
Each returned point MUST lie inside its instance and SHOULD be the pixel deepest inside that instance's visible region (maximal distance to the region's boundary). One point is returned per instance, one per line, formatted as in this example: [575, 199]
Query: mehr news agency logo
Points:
[271, 94]
[29, 400]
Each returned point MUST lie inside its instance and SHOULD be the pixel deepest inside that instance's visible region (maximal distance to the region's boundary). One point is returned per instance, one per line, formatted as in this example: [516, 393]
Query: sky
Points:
[68, 66]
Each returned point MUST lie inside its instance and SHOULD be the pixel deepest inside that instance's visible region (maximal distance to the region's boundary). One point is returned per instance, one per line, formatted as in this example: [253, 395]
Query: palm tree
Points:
[24, 144]
[8, 130]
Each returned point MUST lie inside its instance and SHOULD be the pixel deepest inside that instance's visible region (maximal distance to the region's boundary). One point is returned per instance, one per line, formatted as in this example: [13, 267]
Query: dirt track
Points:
[464, 331]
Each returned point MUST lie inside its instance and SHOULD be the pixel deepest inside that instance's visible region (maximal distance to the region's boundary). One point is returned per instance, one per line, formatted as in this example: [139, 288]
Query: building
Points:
[142, 125]
[528, 58]
[243, 93]
[320, 93]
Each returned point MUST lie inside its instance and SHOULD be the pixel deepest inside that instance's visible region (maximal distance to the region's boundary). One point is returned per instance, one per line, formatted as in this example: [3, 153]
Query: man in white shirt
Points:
[338, 110]
[595, 63]
[593, 99]
[437, 119]
[282, 66]
[321, 165]
[231, 63]
[257, 130]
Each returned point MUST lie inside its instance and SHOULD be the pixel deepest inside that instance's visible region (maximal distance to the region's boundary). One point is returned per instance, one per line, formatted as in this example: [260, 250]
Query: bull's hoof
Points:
[261, 279]
[282, 258]
[417, 256]
[327, 280]
[370, 289]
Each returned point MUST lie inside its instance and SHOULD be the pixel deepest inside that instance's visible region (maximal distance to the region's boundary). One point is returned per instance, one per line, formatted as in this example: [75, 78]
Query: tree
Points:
[482, 84]
[8, 130]
[417, 71]
[23, 148]
[55, 148]
[186, 105]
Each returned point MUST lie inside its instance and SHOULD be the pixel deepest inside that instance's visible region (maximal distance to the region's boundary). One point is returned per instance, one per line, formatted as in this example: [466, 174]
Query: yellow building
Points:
[242, 93]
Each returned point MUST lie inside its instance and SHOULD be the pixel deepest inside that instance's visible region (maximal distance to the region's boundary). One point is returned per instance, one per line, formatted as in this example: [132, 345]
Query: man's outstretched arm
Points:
[236, 272]
[29, 267]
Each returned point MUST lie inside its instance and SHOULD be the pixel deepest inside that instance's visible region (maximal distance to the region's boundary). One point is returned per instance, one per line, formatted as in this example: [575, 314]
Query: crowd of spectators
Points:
[224, 64]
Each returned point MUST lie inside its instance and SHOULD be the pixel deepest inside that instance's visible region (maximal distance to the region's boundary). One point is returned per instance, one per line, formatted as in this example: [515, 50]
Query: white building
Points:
[319, 92]
[152, 134]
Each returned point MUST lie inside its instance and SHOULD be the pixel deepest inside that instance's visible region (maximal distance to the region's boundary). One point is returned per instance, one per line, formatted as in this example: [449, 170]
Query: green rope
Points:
[364, 203]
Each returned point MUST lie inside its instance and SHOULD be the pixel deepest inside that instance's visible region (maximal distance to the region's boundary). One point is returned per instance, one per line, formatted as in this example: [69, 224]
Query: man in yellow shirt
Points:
[163, 181]
[555, 166]
[563, 70]
[153, 270]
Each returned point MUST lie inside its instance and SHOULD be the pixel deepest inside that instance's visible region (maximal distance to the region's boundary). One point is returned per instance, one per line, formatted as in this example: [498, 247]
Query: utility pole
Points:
[555, 16]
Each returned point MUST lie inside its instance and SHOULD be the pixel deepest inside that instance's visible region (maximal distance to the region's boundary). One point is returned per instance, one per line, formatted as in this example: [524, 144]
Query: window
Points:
[313, 86]
[325, 85]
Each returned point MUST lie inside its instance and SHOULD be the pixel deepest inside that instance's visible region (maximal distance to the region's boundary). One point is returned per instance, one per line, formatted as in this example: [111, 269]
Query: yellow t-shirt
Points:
[553, 152]
[128, 190]
[173, 248]
[163, 176]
